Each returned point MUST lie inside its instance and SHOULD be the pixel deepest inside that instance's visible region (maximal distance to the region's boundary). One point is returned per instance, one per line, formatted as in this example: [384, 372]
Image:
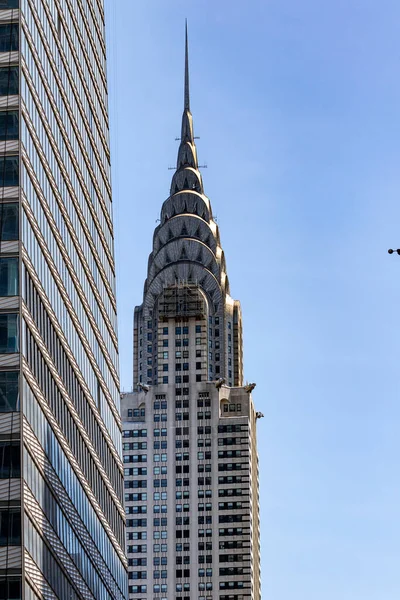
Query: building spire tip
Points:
[187, 95]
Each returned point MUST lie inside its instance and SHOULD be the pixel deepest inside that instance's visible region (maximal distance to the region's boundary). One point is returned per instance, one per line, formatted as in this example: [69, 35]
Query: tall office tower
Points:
[189, 440]
[61, 475]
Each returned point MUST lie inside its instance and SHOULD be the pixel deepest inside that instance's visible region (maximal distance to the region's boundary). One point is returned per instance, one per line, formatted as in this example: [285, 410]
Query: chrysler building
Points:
[189, 427]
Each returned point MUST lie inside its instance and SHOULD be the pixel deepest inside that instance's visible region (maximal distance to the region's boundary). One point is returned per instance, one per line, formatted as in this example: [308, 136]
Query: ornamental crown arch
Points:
[175, 227]
[183, 272]
[187, 178]
[186, 202]
[190, 249]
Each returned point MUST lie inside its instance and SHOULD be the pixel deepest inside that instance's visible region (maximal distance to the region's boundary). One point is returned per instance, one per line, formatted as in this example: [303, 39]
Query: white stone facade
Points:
[189, 431]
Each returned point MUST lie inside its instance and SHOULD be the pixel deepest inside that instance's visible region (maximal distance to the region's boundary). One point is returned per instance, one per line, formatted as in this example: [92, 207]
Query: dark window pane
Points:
[9, 81]
[9, 171]
[10, 527]
[9, 3]
[9, 121]
[9, 334]
[9, 391]
[10, 463]
[8, 276]
[10, 587]
[9, 37]
[9, 222]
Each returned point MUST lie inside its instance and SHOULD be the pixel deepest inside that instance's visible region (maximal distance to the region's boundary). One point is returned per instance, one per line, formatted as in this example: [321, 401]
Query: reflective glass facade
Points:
[62, 521]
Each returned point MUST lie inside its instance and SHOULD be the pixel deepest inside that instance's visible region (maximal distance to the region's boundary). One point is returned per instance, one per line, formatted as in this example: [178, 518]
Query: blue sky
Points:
[297, 106]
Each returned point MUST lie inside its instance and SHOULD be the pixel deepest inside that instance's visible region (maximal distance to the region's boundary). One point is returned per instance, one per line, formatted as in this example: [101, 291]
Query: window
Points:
[165, 355]
[198, 341]
[9, 391]
[178, 331]
[9, 334]
[165, 330]
[10, 527]
[9, 222]
[10, 587]
[10, 466]
[165, 379]
[198, 377]
[9, 84]
[165, 343]
[165, 367]
[9, 124]
[9, 168]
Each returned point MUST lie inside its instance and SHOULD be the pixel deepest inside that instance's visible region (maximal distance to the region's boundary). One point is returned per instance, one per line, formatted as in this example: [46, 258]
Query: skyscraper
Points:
[189, 439]
[61, 475]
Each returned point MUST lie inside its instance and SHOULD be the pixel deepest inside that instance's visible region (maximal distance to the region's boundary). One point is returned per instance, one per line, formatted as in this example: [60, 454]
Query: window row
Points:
[160, 445]
[157, 405]
[136, 413]
[135, 446]
[232, 408]
[134, 433]
[138, 497]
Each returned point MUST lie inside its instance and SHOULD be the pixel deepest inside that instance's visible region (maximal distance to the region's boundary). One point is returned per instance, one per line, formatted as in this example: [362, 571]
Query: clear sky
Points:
[297, 105]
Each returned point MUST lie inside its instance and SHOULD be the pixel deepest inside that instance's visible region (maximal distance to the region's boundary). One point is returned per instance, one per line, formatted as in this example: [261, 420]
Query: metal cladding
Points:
[186, 243]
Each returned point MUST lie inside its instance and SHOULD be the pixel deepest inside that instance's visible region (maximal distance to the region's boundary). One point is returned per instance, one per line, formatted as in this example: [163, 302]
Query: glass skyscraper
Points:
[61, 478]
[189, 428]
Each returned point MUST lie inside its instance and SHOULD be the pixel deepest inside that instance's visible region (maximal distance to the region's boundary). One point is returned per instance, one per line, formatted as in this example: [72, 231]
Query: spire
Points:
[187, 175]
[187, 124]
[187, 91]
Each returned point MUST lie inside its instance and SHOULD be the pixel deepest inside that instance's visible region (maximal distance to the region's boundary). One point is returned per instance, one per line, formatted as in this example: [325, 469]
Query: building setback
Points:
[62, 519]
[189, 439]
